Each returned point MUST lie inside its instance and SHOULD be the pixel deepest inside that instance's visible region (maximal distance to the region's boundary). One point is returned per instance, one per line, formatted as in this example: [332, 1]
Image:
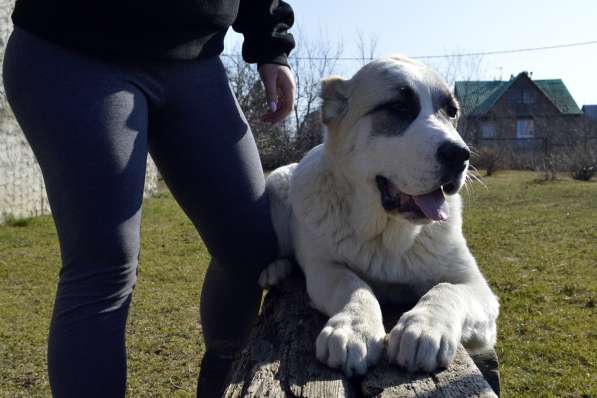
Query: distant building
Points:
[590, 112]
[523, 114]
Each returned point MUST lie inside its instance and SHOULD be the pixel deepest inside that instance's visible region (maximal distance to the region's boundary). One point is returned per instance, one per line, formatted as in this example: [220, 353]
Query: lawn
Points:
[536, 243]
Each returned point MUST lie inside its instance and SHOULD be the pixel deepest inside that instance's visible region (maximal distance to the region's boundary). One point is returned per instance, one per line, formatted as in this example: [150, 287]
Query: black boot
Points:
[213, 375]
[230, 302]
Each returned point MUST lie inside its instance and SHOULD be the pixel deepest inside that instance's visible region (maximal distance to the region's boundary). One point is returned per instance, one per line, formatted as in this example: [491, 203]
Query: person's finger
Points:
[280, 92]
[286, 94]
[278, 116]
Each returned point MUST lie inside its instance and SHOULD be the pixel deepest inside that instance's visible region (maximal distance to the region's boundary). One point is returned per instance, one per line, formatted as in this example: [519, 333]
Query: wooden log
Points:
[279, 361]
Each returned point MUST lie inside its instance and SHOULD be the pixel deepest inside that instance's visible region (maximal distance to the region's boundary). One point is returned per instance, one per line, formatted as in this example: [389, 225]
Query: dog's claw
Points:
[418, 342]
[349, 345]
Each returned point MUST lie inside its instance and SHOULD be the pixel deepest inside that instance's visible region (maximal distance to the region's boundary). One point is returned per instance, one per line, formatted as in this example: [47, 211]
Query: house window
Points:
[525, 128]
[487, 130]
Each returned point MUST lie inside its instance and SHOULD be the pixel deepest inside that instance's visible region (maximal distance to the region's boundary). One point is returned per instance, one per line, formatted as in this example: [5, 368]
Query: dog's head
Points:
[391, 128]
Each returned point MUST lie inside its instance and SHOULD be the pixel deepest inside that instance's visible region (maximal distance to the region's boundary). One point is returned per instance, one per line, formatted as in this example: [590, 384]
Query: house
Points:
[590, 112]
[522, 115]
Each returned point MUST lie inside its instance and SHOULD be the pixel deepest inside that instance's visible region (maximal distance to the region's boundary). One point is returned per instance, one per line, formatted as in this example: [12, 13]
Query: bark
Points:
[279, 361]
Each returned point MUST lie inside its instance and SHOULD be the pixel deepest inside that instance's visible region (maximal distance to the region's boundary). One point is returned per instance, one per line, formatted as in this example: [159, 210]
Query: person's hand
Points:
[279, 91]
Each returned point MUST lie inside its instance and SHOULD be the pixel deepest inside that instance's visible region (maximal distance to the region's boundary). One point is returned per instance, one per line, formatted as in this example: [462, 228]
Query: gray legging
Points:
[91, 124]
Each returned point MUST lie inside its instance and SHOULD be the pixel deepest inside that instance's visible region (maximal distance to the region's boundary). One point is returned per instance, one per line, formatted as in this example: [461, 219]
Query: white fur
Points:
[327, 213]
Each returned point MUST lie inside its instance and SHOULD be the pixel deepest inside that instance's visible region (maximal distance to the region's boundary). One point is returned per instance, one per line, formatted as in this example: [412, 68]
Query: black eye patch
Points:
[406, 104]
[394, 116]
[444, 101]
[451, 108]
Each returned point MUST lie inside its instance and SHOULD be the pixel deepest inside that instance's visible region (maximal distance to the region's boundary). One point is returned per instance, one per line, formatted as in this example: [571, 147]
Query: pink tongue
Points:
[433, 205]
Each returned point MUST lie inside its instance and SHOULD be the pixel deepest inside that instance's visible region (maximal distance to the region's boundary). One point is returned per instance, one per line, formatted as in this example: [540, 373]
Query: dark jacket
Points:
[161, 29]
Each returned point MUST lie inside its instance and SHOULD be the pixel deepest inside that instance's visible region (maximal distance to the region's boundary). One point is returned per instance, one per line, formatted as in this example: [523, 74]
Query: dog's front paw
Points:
[275, 272]
[423, 341]
[350, 344]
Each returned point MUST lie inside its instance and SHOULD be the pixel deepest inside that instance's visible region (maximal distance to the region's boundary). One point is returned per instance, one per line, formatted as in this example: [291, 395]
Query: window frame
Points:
[525, 131]
[485, 126]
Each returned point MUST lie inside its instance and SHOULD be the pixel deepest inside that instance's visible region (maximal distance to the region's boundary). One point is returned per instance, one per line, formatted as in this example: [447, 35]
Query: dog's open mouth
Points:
[431, 205]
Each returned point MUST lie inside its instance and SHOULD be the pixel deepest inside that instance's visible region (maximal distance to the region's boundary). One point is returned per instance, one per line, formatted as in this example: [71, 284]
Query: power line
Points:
[472, 54]
[518, 50]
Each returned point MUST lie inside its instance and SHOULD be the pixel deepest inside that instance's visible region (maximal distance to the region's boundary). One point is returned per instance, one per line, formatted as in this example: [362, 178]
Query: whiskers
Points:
[472, 174]
[472, 177]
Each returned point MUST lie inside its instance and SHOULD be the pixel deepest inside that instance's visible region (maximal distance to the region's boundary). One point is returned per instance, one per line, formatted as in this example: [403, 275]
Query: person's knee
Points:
[246, 259]
[94, 288]
[229, 306]
[248, 246]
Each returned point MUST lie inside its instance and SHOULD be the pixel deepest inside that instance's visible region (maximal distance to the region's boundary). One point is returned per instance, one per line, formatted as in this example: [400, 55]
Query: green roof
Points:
[478, 97]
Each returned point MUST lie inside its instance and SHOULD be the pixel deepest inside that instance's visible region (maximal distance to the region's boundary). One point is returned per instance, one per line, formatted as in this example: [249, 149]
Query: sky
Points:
[432, 27]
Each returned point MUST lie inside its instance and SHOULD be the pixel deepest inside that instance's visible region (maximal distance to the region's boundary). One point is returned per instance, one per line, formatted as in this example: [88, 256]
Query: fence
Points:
[533, 153]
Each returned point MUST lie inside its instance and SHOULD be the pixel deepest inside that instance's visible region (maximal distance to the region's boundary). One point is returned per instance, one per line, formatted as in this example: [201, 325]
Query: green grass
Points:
[536, 243]
[163, 334]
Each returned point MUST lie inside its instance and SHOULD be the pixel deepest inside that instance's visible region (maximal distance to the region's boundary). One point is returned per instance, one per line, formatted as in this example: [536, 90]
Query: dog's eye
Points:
[451, 110]
[397, 107]
[405, 107]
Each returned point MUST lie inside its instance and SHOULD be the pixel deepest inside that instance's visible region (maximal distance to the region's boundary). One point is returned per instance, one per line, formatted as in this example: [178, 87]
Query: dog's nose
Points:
[453, 156]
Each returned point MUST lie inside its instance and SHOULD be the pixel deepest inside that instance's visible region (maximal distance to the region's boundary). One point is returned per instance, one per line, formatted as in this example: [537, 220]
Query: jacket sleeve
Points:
[265, 24]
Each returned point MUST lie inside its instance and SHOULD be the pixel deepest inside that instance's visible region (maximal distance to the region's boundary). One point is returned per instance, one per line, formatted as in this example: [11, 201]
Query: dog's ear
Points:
[334, 95]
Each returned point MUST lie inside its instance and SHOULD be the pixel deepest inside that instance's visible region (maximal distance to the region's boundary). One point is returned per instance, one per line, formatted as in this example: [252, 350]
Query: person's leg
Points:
[206, 153]
[87, 127]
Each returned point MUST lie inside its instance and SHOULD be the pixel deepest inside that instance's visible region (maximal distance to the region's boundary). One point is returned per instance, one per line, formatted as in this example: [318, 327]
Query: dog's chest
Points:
[402, 259]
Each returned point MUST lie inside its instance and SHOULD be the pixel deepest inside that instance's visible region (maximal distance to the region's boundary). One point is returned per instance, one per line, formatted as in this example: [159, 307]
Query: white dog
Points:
[375, 212]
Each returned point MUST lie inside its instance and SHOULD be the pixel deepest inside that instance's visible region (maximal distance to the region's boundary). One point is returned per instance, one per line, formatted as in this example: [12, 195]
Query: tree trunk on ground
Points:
[279, 361]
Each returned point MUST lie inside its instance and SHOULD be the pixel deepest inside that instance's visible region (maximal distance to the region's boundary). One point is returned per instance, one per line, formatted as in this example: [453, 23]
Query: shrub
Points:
[584, 173]
[487, 159]
[548, 168]
[581, 161]
[13, 221]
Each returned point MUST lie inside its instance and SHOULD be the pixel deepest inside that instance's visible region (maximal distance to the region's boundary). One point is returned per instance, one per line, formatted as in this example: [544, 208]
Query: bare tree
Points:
[312, 60]
[460, 67]
[457, 65]
[243, 78]
[367, 47]
[274, 142]
[286, 142]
